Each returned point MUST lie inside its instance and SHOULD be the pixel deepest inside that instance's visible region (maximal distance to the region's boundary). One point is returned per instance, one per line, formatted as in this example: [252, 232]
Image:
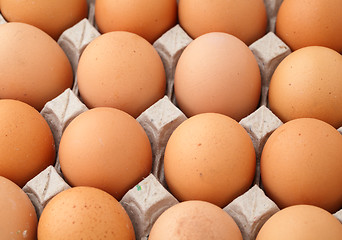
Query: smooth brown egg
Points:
[26, 142]
[84, 213]
[149, 19]
[310, 23]
[121, 70]
[195, 220]
[53, 16]
[244, 19]
[18, 217]
[308, 83]
[209, 157]
[303, 222]
[105, 148]
[301, 164]
[217, 72]
[33, 67]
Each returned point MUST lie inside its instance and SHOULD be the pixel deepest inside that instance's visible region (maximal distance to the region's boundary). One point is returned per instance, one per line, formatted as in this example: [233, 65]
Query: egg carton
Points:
[149, 198]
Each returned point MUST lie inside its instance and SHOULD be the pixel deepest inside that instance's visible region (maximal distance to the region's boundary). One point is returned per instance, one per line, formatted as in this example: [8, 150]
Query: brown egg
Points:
[26, 142]
[195, 220]
[18, 217]
[310, 23]
[301, 164]
[308, 83]
[53, 16]
[121, 70]
[149, 19]
[303, 222]
[33, 67]
[209, 157]
[105, 148]
[217, 72]
[84, 213]
[244, 19]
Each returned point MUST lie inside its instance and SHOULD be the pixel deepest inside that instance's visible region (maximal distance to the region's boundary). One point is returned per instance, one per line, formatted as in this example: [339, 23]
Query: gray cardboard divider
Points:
[272, 7]
[2, 19]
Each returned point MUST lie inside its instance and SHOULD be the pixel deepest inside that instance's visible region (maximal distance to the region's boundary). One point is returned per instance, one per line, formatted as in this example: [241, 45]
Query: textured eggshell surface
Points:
[33, 67]
[149, 19]
[301, 164]
[84, 213]
[195, 220]
[105, 148]
[217, 72]
[121, 70]
[27, 146]
[53, 16]
[18, 217]
[247, 20]
[308, 83]
[209, 157]
[310, 23]
[305, 222]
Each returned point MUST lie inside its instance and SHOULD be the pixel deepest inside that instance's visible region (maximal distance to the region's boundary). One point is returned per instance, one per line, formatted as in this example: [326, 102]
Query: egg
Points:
[209, 157]
[18, 217]
[310, 23]
[149, 19]
[26, 142]
[84, 213]
[217, 72]
[105, 148]
[303, 222]
[244, 19]
[195, 220]
[121, 70]
[53, 16]
[33, 67]
[301, 164]
[308, 83]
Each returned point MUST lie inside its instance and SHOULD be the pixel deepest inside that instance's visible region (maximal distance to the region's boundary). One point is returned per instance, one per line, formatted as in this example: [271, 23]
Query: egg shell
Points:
[149, 19]
[209, 157]
[18, 218]
[303, 222]
[84, 213]
[195, 220]
[26, 142]
[53, 16]
[308, 83]
[247, 20]
[217, 72]
[310, 23]
[105, 148]
[122, 70]
[301, 164]
[33, 67]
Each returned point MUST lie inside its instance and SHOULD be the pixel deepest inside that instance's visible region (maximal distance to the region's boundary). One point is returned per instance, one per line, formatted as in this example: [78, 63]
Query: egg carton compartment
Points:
[149, 198]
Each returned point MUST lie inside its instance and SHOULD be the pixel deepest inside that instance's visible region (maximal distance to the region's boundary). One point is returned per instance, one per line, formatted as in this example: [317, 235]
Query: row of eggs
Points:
[204, 57]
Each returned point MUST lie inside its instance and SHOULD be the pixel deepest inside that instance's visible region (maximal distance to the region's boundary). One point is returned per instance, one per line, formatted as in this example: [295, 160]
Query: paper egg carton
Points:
[149, 198]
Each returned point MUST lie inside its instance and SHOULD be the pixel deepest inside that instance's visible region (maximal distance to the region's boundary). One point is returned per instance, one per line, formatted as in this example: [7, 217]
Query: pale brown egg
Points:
[18, 217]
[195, 220]
[53, 16]
[105, 148]
[209, 157]
[217, 72]
[84, 213]
[121, 70]
[304, 222]
[149, 19]
[310, 23]
[244, 19]
[301, 164]
[26, 142]
[308, 83]
[33, 67]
